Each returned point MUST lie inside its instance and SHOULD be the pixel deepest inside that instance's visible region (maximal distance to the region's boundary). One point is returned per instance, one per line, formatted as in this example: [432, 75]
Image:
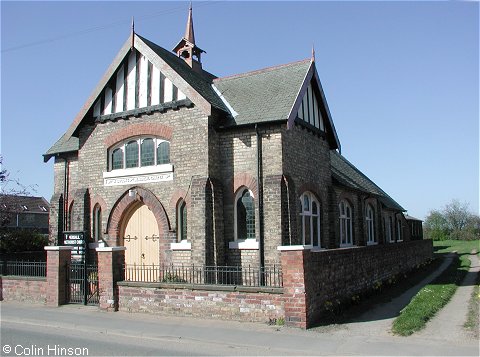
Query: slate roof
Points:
[264, 95]
[64, 144]
[34, 204]
[345, 173]
[200, 82]
[410, 218]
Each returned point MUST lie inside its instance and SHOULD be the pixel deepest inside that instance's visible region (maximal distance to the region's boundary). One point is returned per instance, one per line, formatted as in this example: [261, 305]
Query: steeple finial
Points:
[313, 52]
[189, 34]
[133, 33]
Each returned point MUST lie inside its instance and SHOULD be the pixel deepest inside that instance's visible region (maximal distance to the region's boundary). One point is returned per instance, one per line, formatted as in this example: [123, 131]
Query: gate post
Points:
[57, 260]
[110, 270]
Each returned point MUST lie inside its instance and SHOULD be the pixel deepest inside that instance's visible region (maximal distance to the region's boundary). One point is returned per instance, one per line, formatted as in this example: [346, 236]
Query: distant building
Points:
[25, 212]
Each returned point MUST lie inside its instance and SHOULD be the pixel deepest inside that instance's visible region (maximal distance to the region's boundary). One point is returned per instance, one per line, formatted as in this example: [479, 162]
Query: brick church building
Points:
[183, 167]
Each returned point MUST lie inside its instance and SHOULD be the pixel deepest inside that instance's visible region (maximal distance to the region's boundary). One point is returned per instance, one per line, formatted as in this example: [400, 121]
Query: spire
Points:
[133, 33]
[313, 52]
[186, 48]
[189, 34]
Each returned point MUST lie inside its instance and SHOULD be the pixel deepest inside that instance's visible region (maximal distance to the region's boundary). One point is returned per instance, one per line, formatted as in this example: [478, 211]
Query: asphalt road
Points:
[35, 330]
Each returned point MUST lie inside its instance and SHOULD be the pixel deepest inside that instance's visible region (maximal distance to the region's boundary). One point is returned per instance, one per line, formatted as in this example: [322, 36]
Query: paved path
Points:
[447, 324]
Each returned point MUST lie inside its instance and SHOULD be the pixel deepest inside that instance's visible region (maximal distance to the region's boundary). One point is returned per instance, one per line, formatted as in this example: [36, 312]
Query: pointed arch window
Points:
[182, 221]
[310, 220]
[346, 231]
[163, 153]
[97, 223]
[399, 230]
[244, 215]
[370, 219]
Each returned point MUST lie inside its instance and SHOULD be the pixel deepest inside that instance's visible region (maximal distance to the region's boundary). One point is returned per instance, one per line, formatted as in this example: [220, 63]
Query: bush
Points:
[17, 240]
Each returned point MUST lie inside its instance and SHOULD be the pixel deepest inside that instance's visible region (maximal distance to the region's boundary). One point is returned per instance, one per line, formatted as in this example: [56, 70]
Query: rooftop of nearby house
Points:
[24, 204]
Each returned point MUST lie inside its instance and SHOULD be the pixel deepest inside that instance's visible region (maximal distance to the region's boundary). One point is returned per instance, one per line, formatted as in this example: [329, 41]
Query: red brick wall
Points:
[337, 274]
[219, 303]
[23, 289]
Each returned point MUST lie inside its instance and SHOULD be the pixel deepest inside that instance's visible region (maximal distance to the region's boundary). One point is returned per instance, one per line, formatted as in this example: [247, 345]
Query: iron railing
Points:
[82, 283]
[22, 268]
[270, 276]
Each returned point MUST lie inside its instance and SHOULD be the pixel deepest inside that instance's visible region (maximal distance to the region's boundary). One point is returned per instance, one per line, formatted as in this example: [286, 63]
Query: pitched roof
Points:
[410, 218]
[263, 95]
[345, 173]
[27, 204]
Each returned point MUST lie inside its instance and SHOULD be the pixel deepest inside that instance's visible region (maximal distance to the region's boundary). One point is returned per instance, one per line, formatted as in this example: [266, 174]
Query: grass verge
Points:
[472, 323]
[432, 297]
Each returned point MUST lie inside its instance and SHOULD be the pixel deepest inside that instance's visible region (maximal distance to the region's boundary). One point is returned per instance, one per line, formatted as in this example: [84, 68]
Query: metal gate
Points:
[82, 283]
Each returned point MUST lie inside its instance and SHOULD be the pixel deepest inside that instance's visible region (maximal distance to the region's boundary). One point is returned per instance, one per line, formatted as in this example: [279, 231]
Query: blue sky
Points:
[401, 78]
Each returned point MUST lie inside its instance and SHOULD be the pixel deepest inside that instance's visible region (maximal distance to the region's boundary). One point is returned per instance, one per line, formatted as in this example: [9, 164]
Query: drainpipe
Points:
[288, 210]
[65, 195]
[260, 204]
[214, 235]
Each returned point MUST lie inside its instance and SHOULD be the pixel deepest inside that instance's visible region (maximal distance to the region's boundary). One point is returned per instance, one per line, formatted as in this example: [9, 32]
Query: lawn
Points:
[434, 296]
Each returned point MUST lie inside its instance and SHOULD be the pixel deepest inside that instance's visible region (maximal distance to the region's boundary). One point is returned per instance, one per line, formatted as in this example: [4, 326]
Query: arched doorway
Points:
[141, 236]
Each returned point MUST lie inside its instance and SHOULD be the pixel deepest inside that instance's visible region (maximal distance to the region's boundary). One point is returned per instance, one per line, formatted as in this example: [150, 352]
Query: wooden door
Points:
[141, 237]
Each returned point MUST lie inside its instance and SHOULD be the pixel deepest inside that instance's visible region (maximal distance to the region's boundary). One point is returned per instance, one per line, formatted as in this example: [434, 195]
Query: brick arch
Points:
[310, 187]
[244, 180]
[176, 196]
[158, 130]
[98, 200]
[122, 207]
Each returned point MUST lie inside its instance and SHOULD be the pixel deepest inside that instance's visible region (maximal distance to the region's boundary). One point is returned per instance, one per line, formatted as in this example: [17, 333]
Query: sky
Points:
[401, 78]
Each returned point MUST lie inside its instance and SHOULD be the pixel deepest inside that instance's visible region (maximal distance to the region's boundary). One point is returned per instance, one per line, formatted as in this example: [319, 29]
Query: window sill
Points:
[346, 245]
[243, 244]
[372, 243]
[294, 247]
[183, 245]
[138, 175]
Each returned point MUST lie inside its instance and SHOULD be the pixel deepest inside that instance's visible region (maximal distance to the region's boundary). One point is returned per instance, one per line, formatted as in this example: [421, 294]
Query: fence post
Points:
[110, 271]
[57, 260]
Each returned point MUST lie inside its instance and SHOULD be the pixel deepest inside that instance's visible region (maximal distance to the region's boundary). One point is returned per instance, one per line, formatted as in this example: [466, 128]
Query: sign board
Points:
[76, 240]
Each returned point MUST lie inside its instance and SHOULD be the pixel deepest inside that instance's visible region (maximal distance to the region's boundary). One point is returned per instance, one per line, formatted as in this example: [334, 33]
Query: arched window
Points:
[97, 223]
[399, 230]
[139, 152]
[310, 220]
[117, 159]
[370, 218]
[346, 234]
[181, 221]
[131, 154]
[70, 218]
[163, 153]
[389, 230]
[147, 151]
[244, 215]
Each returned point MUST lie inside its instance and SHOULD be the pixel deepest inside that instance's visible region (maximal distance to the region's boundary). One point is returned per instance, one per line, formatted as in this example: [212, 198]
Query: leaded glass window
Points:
[346, 236]
[117, 159]
[147, 151]
[131, 154]
[310, 220]
[163, 153]
[182, 221]
[245, 215]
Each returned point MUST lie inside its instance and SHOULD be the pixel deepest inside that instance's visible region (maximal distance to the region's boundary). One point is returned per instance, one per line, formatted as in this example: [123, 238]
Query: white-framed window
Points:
[346, 231]
[139, 152]
[244, 215]
[370, 219]
[97, 223]
[310, 220]
[389, 230]
[399, 231]
[182, 221]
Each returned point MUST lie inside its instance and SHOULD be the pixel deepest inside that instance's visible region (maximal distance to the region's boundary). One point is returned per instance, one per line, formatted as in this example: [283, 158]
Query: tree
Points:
[454, 221]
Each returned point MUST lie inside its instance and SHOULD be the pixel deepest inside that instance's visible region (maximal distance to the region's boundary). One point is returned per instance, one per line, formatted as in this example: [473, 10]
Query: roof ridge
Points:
[262, 70]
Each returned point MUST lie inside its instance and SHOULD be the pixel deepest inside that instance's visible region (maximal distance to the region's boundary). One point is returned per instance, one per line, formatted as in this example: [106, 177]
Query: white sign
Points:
[132, 180]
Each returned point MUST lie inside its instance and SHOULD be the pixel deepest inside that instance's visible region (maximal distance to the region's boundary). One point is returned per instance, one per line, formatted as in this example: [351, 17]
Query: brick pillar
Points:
[294, 289]
[110, 271]
[57, 260]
